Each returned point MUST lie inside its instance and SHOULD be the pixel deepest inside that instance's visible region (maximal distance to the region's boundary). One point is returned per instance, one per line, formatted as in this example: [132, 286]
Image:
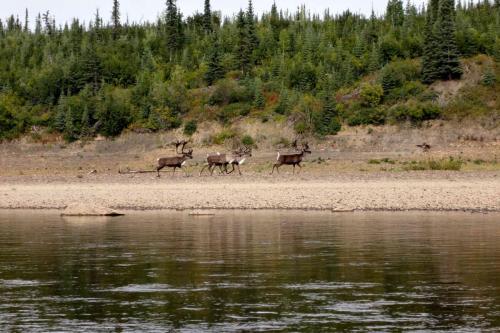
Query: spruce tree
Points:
[253, 40]
[26, 21]
[374, 59]
[327, 122]
[173, 26]
[489, 79]
[447, 56]
[207, 17]
[258, 101]
[429, 72]
[115, 18]
[244, 50]
[395, 13]
[215, 70]
[85, 131]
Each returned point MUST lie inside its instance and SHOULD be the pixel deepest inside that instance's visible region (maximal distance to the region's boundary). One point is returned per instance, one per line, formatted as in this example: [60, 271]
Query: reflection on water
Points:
[250, 271]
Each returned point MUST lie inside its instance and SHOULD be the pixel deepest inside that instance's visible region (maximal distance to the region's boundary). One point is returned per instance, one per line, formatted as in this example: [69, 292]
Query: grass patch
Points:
[383, 160]
[449, 164]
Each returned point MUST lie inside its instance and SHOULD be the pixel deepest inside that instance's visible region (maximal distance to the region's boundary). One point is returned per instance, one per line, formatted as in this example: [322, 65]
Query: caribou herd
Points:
[233, 159]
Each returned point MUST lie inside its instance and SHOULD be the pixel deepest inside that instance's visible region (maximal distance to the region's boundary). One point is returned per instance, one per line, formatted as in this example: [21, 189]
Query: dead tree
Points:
[235, 159]
[176, 161]
[291, 159]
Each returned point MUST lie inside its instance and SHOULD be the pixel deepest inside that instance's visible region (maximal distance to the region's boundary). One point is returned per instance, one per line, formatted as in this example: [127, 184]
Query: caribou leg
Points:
[238, 169]
[173, 173]
[277, 168]
[300, 167]
[230, 172]
[158, 170]
[204, 167]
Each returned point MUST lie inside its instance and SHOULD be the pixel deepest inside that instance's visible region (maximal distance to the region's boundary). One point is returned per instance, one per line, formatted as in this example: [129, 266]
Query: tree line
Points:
[108, 75]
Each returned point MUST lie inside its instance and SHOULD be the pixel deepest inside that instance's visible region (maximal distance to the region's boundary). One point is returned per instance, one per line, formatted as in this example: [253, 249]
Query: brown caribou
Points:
[291, 158]
[175, 161]
[235, 159]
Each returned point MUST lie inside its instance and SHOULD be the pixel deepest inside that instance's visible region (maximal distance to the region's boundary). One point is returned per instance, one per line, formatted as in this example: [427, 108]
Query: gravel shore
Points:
[421, 192]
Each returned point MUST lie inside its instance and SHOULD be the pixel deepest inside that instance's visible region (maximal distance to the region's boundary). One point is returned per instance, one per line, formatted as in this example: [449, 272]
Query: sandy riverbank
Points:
[411, 191]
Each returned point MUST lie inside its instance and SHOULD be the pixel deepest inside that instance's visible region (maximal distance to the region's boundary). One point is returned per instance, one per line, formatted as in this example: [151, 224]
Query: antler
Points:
[179, 143]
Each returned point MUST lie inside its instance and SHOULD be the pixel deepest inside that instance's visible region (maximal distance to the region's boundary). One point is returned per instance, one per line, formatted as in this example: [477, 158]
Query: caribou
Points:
[235, 159]
[176, 161]
[291, 159]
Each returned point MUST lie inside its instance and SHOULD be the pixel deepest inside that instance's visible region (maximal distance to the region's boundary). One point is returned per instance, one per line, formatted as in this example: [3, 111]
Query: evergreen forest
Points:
[314, 72]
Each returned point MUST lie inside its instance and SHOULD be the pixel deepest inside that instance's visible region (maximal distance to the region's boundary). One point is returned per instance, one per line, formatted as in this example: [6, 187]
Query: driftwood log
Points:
[128, 172]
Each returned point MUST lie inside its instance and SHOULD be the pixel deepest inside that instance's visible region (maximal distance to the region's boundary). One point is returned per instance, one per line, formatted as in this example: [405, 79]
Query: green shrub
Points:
[229, 91]
[489, 79]
[223, 136]
[190, 128]
[414, 112]
[115, 113]
[449, 164]
[301, 127]
[396, 73]
[163, 119]
[12, 121]
[407, 90]
[228, 112]
[248, 141]
[371, 95]
[367, 116]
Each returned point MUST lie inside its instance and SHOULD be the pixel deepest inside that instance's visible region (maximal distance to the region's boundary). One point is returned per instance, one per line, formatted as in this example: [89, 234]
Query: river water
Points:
[250, 272]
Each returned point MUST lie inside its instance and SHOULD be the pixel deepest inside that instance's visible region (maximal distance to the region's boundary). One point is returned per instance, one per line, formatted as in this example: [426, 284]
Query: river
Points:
[268, 271]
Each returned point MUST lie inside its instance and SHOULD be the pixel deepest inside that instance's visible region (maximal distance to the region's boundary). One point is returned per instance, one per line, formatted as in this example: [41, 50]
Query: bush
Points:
[190, 128]
[371, 95]
[114, 114]
[12, 122]
[229, 91]
[489, 79]
[248, 141]
[228, 112]
[414, 112]
[301, 127]
[163, 119]
[367, 116]
[449, 164]
[222, 136]
[407, 90]
[397, 73]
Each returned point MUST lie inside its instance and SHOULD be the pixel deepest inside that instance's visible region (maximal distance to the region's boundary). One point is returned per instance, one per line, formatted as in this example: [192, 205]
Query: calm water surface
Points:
[247, 272]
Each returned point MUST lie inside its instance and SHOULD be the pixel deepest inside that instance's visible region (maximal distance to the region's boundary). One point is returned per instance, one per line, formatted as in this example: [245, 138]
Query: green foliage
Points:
[88, 78]
[221, 137]
[190, 128]
[414, 112]
[259, 101]
[371, 95]
[248, 141]
[367, 116]
[327, 122]
[441, 55]
[450, 164]
[215, 70]
[114, 113]
[489, 78]
[11, 124]
[229, 91]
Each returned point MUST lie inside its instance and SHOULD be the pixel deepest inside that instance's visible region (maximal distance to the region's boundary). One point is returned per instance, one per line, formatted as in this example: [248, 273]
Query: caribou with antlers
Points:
[235, 159]
[291, 159]
[175, 161]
